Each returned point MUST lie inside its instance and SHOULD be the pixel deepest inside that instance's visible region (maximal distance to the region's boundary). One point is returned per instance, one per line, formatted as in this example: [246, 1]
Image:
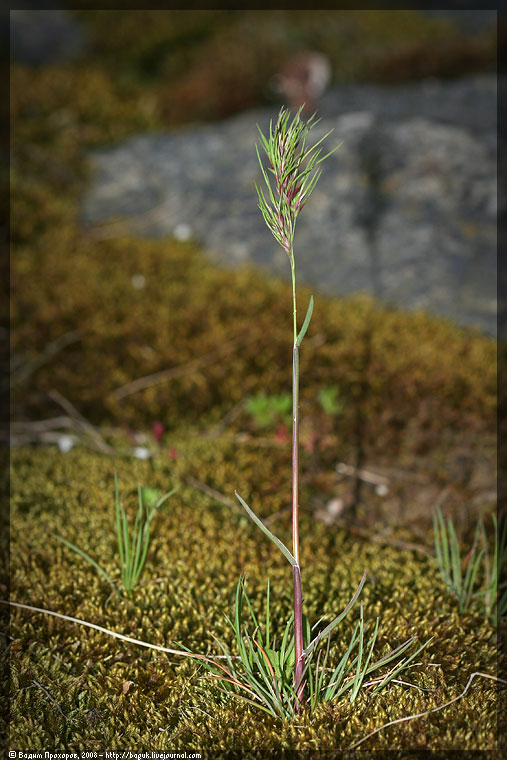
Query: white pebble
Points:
[335, 507]
[65, 443]
[141, 452]
[138, 281]
[382, 489]
[182, 232]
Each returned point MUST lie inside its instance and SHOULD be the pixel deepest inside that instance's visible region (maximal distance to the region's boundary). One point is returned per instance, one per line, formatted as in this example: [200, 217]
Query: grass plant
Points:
[494, 593]
[286, 679]
[474, 578]
[283, 671]
[263, 674]
[132, 546]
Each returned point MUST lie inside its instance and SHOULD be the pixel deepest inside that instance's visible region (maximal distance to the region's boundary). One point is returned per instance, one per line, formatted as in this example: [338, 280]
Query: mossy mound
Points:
[414, 391]
[79, 689]
[236, 327]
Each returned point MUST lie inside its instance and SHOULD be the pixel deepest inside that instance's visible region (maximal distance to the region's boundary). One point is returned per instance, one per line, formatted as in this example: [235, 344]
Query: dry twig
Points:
[36, 684]
[81, 422]
[227, 501]
[114, 634]
[222, 498]
[427, 712]
[378, 538]
[24, 370]
[366, 475]
[164, 375]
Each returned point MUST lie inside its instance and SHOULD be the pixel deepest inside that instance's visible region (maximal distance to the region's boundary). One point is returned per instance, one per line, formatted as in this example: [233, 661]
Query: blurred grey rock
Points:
[405, 210]
[39, 37]
[470, 21]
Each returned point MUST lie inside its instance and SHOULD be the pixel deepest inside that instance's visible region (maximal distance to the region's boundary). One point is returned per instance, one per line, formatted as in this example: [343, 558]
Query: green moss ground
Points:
[198, 550]
[418, 394]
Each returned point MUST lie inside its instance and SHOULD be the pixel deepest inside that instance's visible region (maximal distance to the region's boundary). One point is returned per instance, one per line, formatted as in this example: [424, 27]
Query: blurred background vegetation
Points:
[402, 379]
[210, 64]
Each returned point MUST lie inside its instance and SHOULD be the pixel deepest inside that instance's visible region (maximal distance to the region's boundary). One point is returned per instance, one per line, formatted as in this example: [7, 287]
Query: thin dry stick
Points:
[26, 369]
[39, 431]
[231, 415]
[86, 426]
[362, 474]
[42, 426]
[248, 440]
[113, 633]
[222, 498]
[36, 684]
[380, 539]
[45, 431]
[26, 439]
[183, 369]
[427, 712]
[229, 502]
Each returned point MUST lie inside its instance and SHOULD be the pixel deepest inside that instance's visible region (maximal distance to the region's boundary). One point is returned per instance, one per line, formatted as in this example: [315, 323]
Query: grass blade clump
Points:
[459, 574]
[473, 578]
[132, 546]
[261, 673]
[495, 591]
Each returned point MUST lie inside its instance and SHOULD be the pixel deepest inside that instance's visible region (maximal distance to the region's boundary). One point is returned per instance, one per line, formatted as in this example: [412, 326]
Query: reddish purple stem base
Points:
[298, 638]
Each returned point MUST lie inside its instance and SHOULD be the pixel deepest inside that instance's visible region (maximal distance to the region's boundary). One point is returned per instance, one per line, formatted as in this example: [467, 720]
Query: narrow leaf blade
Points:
[308, 317]
[266, 530]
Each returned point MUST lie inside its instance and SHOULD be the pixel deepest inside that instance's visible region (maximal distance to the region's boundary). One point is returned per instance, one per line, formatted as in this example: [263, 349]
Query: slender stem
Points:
[299, 661]
[295, 452]
[296, 172]
[295, 423]
[293, 272]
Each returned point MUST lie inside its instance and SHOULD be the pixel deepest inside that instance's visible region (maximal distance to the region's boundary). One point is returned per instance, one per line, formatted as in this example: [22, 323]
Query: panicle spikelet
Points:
[295, 170]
